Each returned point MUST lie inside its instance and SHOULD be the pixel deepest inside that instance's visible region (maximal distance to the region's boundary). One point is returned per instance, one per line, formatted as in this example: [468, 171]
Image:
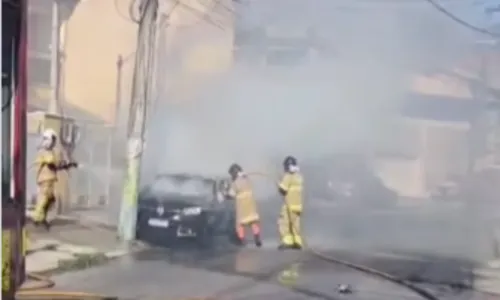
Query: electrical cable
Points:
[132, 7]
[361, 268]
[122, 15]
[202, 16]
[460, 21]
[40, 291]
[146, 61]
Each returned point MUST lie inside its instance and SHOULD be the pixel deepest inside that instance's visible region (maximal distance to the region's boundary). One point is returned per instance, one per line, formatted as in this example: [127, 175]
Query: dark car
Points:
[347, 179]
[178, 208]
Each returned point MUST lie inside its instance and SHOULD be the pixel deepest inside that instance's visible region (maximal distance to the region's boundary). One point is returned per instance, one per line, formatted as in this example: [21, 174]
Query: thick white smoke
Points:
[343, 99]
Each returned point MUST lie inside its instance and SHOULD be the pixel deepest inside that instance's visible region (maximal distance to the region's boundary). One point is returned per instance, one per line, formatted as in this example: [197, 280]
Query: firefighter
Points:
[47, 165]
[290, 188]
[246, 207]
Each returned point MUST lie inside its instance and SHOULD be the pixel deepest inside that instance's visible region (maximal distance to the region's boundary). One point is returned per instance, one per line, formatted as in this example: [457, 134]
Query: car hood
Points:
[174, 202]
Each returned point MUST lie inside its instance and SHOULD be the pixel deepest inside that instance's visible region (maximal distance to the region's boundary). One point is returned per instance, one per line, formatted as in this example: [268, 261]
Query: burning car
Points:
[177, 208]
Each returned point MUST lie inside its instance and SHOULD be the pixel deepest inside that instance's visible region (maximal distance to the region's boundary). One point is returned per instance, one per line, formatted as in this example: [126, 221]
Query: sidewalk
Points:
[68, 242]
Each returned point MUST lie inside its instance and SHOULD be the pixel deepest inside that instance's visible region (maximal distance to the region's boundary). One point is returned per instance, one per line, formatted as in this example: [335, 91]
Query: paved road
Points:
[254, 274]
[423, 243]
[430, 228]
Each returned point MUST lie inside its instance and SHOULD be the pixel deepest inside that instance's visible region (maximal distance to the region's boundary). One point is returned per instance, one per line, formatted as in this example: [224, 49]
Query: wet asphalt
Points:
[430, 247]
[265, 273]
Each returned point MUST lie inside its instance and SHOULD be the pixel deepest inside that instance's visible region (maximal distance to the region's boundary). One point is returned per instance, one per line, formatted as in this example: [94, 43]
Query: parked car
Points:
[346, 179]
[177, 208]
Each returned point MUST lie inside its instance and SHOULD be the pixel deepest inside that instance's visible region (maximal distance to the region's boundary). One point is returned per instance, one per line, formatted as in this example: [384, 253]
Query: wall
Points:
[442, 155]
[92, 38]
[400, 166]
[196, 45]
[446, 152]
[405, 176]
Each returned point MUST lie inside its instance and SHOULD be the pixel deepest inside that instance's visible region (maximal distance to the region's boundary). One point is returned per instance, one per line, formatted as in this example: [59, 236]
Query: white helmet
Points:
[48, 140]
[49, 133]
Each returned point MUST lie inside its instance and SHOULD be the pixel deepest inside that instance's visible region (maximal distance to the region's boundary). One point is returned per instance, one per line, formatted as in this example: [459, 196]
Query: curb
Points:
[60, 220]
[84, 222]
[109, 256]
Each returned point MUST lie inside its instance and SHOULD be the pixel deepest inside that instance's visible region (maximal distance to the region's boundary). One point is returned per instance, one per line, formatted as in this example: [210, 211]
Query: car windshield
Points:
[184, 186]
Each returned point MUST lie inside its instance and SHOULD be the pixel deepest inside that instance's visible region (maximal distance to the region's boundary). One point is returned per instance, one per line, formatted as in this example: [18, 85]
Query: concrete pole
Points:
[54, 105]
[118, 98]
[141, 98]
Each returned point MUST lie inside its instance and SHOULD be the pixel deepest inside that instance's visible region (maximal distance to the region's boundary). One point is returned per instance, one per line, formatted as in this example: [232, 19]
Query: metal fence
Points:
[92, 185]
[95, 188]
[95, 184]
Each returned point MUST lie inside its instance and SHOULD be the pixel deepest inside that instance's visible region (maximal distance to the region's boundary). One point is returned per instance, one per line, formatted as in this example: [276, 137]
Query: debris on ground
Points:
[344, 289]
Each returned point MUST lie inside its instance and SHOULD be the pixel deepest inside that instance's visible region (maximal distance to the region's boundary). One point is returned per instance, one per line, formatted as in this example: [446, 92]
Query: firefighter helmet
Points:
[49, 138]
[234, 169]
[49, 133]
[288, 162]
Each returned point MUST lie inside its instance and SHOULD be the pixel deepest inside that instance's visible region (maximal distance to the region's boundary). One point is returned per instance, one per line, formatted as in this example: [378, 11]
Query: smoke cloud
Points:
[345, 96]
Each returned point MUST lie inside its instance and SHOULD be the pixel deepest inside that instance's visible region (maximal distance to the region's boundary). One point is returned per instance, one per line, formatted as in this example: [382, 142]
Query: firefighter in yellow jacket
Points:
[47, 165]
[290, 188]
[246, 206]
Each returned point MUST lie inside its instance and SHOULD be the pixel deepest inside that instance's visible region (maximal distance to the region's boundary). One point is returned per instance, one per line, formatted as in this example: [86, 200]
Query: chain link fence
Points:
[96, 186]
[92, 183]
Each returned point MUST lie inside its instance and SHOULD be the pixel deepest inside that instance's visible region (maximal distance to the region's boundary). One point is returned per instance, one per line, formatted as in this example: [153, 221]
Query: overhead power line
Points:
[204, 13]
[462, 22]
[121, 14]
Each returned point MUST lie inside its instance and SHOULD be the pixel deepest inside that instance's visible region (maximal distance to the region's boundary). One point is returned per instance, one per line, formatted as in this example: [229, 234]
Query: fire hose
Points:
[40, 291]
[361, 268]
[42, 285]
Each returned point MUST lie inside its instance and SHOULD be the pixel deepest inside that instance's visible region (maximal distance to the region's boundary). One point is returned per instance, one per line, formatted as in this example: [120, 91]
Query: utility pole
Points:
[54, 105]
[118, 97]
[141, 99]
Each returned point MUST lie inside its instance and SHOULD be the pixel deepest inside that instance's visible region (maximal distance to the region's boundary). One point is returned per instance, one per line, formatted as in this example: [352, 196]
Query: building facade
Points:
[93, 36]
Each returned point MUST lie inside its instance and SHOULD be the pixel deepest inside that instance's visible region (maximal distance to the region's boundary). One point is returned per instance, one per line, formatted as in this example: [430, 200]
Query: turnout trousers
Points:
[289, 226]
[45, 200]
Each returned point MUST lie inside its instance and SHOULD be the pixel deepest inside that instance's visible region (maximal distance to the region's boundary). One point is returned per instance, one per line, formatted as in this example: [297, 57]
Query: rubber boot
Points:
[46, 224]
[284, 247]
[240, 242]
[257, 240]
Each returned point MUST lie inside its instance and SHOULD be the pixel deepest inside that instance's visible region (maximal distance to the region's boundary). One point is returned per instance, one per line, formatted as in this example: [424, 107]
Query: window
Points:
[39, 46]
